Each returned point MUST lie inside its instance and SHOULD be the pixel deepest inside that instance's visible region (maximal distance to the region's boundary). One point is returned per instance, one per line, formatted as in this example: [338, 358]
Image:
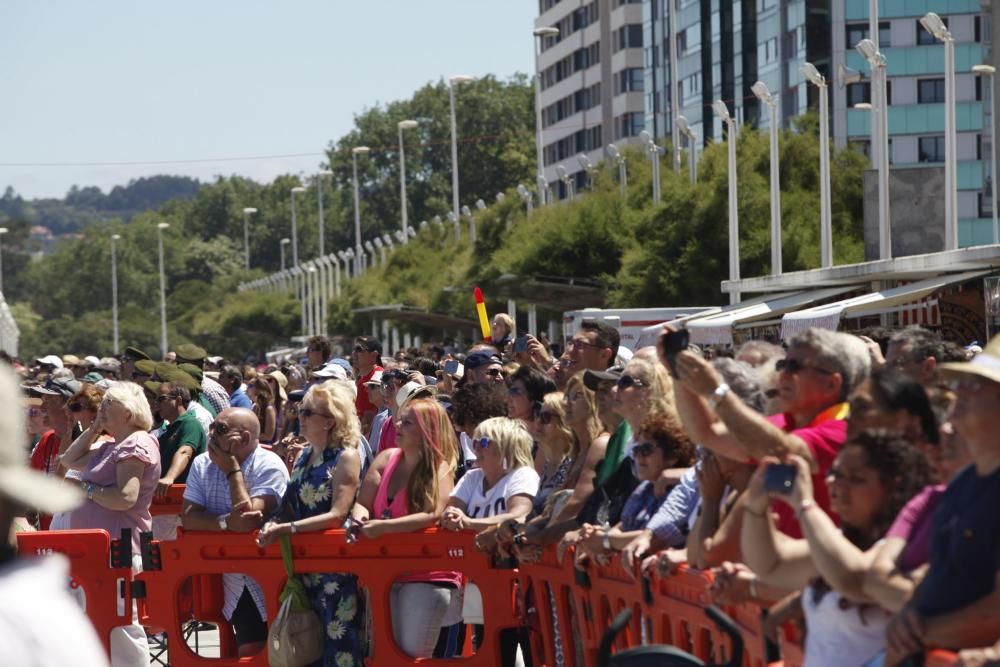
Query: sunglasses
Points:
[794, 366]
[494, 372]
[220, 429]
[546, 417]
[309, 412]
[626, 381]
[481, 443]
[644, 449]
[165, 397]
[75, 407]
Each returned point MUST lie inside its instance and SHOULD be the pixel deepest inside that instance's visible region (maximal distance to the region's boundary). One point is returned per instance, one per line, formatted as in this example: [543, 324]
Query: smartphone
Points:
[780, 477]
[451, 366]
[673, 343]
[520, 344]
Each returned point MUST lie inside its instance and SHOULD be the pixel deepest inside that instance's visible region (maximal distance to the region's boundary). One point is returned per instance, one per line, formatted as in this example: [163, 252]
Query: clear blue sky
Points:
[116, 81]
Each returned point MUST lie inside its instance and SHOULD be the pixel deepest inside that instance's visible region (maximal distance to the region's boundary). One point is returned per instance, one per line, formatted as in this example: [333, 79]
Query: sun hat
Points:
[50, 360]
[986, 364]
[412, 390]
[17, 481]
[282, 381]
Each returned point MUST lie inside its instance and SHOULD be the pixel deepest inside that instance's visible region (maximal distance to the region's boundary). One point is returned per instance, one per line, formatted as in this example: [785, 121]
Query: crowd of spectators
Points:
[846, 483]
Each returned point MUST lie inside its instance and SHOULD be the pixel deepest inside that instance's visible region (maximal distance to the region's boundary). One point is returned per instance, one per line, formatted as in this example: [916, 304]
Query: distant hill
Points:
[81, 206]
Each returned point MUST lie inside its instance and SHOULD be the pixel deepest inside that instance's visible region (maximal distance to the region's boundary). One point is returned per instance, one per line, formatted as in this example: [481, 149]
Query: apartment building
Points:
[592, 82]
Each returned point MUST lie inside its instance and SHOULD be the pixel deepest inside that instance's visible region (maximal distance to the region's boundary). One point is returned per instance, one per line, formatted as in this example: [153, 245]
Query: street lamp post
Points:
[722, 111]
[282, 245]
[453, 81]
[764, 95]
[3, 230]
[876, 61]
[370, 250]
[163, 290]
[692, 147]
[814, 77]
[620, 161]
[247, 212]
[403, 125]
[990, 71]
[355, 152]
[114, 292]
[525, 195]
[675, 135]
[540, 182]
[319, 196]
[654, 156]
[295, 232]
[567, 181]
[933, 24]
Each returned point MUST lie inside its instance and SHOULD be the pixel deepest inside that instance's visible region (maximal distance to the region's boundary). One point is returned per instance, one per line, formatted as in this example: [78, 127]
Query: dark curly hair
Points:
[475, 403]
[668, 434]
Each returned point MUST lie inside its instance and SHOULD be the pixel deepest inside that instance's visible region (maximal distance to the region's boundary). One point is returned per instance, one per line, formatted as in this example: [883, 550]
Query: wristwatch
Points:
[223, 523]
[716, 396]
[91, 490]
[292, 528]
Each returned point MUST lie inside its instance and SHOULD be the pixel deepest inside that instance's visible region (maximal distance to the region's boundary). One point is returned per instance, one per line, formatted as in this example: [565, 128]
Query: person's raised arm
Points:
[585, 482]
[884, 582]
[78, 454]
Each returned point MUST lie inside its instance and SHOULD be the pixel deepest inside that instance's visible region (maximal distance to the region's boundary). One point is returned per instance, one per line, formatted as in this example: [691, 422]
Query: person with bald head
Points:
[235, 486]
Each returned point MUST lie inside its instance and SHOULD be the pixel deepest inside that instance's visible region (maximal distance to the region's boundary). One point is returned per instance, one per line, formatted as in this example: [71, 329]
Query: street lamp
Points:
[467, 212]
[587, 167]
[355, 152]
[809, 71]
[933, 24]
[163, 290]
[347, 263]
[654, 156]
[525, 195]
[114, 290]
[453, 219]
[381, 249]
[684, 128]
[619, 159]
[403, 125]
[324, 173]
[990, 71]
[764, 95]
[876, 61]
[722, 111]
[540, 182]
[282, 245]
[567, 181]
[456, 80]
[675, 111]
[3, 230]
[247, 212]
[295, 233]
[370, 249]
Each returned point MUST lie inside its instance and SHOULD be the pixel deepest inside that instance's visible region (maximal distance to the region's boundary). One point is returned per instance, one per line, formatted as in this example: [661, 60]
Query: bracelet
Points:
[716, 396]
[232, 472]
[806, 504]
[292, 527]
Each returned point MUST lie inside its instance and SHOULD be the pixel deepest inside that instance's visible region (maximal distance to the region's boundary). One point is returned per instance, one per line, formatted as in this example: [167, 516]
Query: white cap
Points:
[330, 372]
[376, 378]
[92, 360]
[50, 360]
[412, 390]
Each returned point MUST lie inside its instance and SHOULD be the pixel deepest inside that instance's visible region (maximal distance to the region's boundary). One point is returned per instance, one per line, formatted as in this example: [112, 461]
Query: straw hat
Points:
[282, 381]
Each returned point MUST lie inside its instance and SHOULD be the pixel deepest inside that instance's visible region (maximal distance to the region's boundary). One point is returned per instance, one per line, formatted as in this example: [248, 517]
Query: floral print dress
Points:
[334, 596]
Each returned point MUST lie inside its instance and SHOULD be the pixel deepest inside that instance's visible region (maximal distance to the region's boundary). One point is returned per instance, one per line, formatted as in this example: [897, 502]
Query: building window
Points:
[863, 146]
[630, 124]
[859, 31]
[767, 52]
[859, 92]
[630, 80]
[977, 28]
[924, 38]
[629, 37]
[930, 91]
[979, 147]
[930, 149]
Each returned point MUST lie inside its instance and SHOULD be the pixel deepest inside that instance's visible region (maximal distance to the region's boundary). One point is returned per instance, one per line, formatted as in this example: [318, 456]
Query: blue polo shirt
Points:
[239, 399]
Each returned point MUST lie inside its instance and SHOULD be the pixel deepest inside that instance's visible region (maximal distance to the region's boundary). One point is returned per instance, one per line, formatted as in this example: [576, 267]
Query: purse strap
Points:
[293, 586]
[286, 555]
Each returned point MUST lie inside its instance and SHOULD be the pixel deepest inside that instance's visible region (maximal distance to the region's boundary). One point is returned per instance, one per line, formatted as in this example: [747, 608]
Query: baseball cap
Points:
[480, 359]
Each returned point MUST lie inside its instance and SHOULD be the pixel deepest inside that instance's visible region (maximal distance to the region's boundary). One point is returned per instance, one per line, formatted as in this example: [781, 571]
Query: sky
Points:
[192, 85]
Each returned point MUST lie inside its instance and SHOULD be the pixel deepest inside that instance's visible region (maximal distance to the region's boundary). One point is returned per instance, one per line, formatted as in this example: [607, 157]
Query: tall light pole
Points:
[764, 95]
[3, 230]
[114, 292]
[990, 71]
[283, 243]
[567, 182]
[163, 290]
[692, 147]
[934, 25]
[355, 152]
[247, 212]
[722, 111]
[619, 159]
[295, 233]
[814, 77]
[875, 131]
[675, 135]
[540, 182]
[654, 156]
[403, 125]
[325, 173]
[525, 195]
[880, 116]
[453, 81]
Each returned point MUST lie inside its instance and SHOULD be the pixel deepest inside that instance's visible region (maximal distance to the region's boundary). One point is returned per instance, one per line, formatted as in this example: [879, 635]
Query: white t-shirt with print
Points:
[478, 504]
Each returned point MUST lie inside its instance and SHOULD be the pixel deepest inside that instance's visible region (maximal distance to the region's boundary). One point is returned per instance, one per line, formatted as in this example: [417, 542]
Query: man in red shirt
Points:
[45, 455]
[367, 358]
[820, 370]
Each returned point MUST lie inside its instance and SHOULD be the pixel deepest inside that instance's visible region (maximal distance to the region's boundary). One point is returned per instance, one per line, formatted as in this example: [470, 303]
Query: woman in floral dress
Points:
[324, 481]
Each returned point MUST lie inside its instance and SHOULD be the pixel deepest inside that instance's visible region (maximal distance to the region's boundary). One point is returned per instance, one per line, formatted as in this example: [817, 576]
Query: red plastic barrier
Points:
[939, 658]
[378, 564]
[171, 504]
[89, 553]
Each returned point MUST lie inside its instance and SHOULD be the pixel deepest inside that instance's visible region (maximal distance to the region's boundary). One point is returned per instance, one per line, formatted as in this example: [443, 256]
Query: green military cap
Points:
[152, 387]
[161, 369]
[145, 367]
[135, 354]
[193, 371]
[177, 376]
[189, 352]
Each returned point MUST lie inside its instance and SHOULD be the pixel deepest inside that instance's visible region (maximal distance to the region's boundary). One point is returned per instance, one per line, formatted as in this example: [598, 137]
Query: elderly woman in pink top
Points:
[406, 489]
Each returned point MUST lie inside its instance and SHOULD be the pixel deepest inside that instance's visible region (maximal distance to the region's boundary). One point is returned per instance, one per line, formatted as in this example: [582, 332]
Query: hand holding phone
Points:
[673, 343]
[780, 478]
[520, 344]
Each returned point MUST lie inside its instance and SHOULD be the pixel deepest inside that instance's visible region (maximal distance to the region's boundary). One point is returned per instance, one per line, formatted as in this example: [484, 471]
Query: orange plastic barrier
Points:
[89, 554]
[377, 563]
[939, 658]
[171, 504]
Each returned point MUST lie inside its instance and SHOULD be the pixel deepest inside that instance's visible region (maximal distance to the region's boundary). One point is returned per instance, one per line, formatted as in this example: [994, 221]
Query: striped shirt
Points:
[264, 474]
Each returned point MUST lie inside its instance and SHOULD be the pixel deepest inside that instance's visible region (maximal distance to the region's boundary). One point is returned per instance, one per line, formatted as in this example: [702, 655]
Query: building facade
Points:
[592, 81]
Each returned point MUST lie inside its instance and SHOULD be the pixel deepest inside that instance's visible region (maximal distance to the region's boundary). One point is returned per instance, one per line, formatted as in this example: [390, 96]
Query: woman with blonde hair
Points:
[405, 490]
[319, 496]
[557, 447]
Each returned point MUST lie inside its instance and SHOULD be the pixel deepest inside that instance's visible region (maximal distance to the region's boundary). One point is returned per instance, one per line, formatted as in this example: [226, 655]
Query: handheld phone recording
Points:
[780, 478]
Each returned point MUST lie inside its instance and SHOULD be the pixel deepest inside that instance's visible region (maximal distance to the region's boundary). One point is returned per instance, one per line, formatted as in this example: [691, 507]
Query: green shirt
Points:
[205, 403]
[614, 453]
[185, 430]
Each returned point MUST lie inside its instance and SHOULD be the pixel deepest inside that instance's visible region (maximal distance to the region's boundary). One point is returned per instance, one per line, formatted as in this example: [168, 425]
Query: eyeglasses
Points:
[75, 407]
[481, 443]
[516, 391]
[643, 449]
[626, 381]
[546, 417]
[577, 343]
[165, 397]
[794, 366]
[309, 412]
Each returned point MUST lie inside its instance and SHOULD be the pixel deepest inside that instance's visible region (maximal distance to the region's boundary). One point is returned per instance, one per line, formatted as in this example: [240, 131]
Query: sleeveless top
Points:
[382, 508]
[849, 637]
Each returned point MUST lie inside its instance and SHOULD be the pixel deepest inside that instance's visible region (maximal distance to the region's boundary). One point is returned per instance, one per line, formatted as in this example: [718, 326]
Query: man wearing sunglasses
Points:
[367, 358]
[483, 367]
[183, 439]
[820, 370]
[235, 486]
